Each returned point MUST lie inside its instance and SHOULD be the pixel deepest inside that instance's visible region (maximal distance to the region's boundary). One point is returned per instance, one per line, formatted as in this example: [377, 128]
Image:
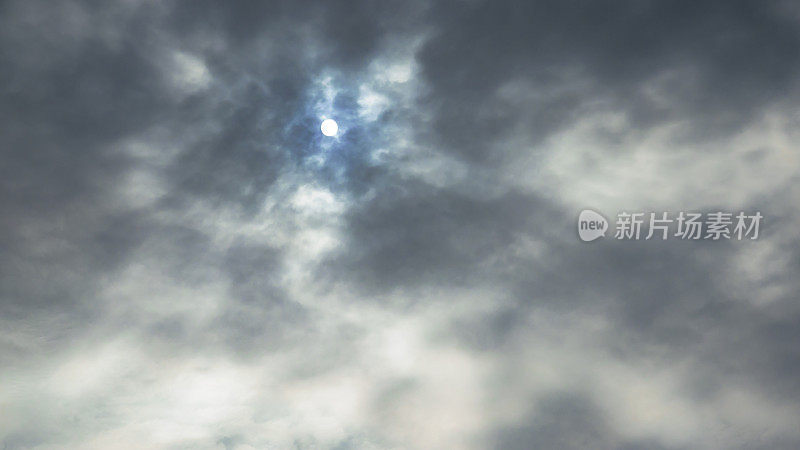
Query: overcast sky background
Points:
[187, 262]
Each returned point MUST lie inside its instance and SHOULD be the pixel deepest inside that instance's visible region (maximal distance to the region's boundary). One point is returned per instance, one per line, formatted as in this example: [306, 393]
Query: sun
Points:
[329, 127]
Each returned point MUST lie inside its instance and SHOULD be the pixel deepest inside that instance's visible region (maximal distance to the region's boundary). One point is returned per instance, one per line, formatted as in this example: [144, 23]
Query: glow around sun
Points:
[329, 127]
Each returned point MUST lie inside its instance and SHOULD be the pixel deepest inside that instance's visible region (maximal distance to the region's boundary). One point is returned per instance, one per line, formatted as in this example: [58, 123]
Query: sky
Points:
[187, 262]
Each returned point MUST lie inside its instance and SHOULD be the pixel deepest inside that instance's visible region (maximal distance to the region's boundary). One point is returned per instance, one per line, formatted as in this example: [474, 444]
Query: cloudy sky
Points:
[186, 261]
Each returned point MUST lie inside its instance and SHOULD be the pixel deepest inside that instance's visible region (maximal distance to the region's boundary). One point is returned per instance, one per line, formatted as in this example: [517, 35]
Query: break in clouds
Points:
[187, 261]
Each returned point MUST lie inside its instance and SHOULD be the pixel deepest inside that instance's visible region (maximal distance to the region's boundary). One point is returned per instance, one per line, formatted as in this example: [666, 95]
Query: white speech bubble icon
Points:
[591, 225]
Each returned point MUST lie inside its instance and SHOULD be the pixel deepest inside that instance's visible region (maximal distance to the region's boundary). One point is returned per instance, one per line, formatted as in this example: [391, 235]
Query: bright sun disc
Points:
[329, 127]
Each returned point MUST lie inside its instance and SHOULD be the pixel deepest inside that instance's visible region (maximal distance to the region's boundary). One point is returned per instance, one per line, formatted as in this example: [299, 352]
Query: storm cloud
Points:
[187, 262]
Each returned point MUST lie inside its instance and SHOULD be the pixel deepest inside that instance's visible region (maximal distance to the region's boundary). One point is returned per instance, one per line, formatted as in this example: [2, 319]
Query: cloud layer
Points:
[187, 262]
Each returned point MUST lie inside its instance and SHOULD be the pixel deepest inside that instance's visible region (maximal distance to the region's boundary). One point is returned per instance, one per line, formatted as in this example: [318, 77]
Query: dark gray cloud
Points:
[566, 421]
[713, 64]
[185, 261]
